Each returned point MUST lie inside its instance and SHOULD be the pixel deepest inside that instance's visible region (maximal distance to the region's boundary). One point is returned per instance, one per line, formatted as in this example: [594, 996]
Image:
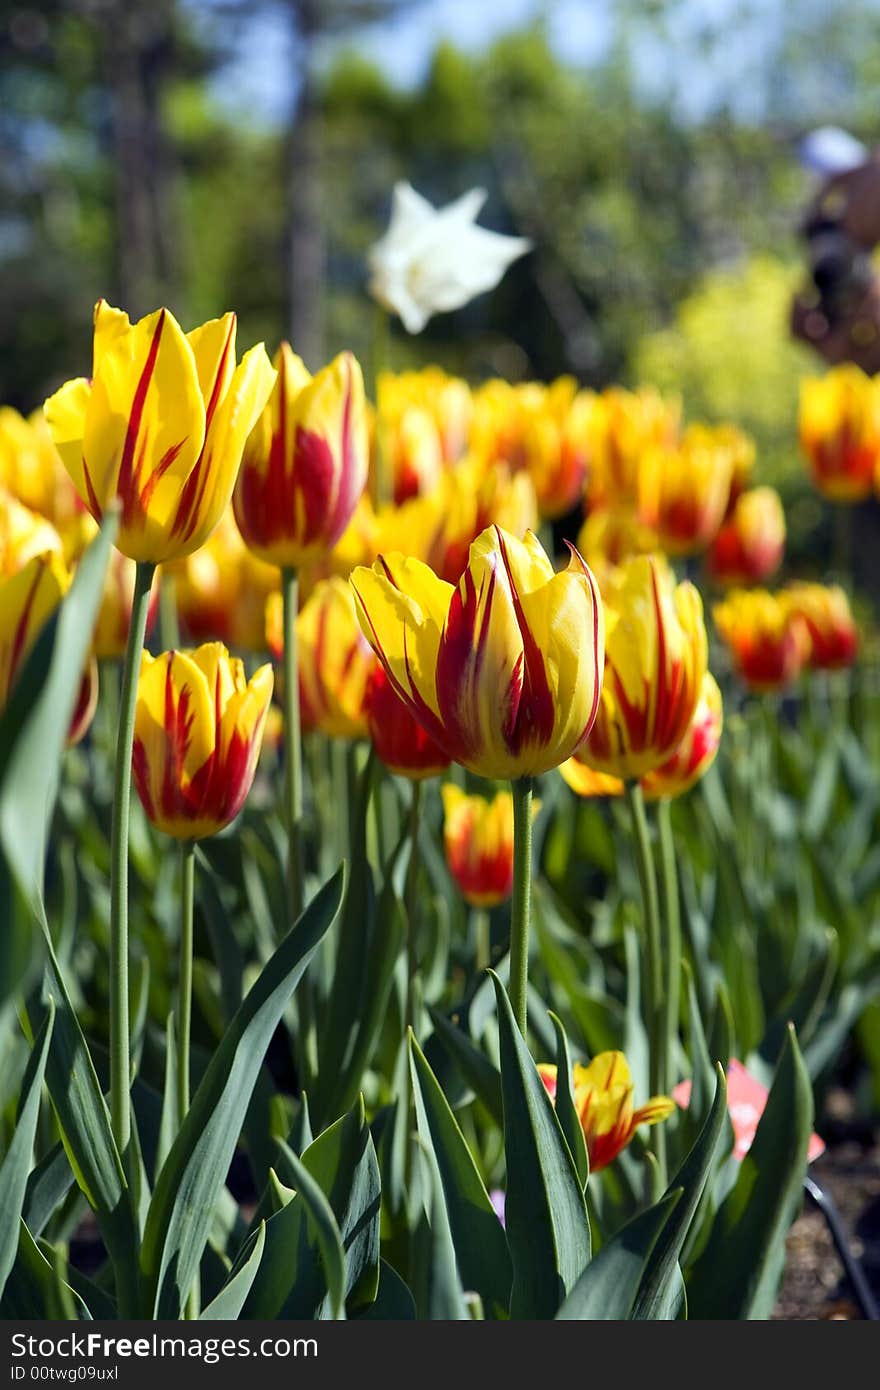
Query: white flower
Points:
[432, 259]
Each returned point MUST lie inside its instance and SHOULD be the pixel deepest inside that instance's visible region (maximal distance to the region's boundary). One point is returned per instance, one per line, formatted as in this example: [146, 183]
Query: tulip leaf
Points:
[226, 1306]
[545, 1213]
[47, 1185]
[659, 1295]
[16, 1164]
[738, 1272]
[35, 1289]
[291, 1281]
[566, 1113]
[608, 1288]
[84, 1121]
[33, 735]
[437, 1289]
[474, 1065]
[478, 1236]
[195, 1170]
[393, 1301]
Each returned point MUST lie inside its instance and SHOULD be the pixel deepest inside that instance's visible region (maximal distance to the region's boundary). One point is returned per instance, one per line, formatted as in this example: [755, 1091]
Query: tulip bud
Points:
[834, 636]
[748, 548]
[603, 1098]
[839, 426]
[769, 641]
[478, 840]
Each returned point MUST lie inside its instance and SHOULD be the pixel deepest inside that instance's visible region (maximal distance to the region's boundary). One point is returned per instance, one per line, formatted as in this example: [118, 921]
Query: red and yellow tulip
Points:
[834, 635]
[160, 425]
[538, 429]
[683, 491]
[603, 1098]
[28, 600]
[625, 426]
[749, 546]
[198, 729]
[478, 840]
[398, 738]
[335, 660]
[504, 671]
[305, 462]
[655, 662]
[693, 756]
[768, 640]
[23, 535]
[839, 426]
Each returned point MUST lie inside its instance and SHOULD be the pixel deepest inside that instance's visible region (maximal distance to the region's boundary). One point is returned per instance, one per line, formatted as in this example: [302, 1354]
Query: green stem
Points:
[168, 622]
[652, 961]
[672, 940]
[482, 939]
[185, 974]
[522, 893]
[120, 1041]
[292, 745]
[410, 903]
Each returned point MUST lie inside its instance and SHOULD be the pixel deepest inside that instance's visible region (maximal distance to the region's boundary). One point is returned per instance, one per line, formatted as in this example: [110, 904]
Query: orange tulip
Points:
[603, 1099]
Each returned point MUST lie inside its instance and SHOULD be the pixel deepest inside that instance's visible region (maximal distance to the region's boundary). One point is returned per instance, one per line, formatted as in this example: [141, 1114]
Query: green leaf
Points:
[16, 1165]
[35, 1289]
[84, 1121]
[478, 1236]
[168, 1122]
[545, 1213]
[566, 1114]
[33, 736]
[323, 1223]
[659, 1294]
[393, 1301]
[291, 1282]
[474, 1065]
[434, 1271]
[738, 1272]
[195, 1169]
[609, 1285]
[227, 1305]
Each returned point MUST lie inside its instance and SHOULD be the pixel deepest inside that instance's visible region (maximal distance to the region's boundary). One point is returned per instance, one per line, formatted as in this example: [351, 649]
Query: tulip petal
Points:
[144, 430]
[65, 414]
[175, 735]
[208, 489]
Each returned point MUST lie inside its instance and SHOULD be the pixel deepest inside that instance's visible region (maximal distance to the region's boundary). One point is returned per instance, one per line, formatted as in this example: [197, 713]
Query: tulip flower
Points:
[335, 660]
[695, 754]
[839, 426]
[24, 534]
[161, 426]
[603, 1098]
[686, 765]
[768, 639]
[28, 600]
[478, 840]
[683, 492]
[432, 260]
[655, 661]
[399, 739]
[305, 461]
[539, 429]
[748, 548]
[834, 636]
[611, 535]
[625, 425]
[504, 670]
[198, 728]
[415, 452]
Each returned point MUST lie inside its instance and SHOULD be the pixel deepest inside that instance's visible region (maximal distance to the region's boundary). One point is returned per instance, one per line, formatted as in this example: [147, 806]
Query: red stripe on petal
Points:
[127, 484]
[536, 713]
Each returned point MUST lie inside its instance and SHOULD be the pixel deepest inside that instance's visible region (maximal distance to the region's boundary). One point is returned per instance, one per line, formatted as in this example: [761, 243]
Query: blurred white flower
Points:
[432, 259]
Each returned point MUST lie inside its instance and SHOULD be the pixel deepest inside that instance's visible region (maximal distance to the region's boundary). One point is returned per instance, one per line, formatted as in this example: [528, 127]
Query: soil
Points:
[815, 1285]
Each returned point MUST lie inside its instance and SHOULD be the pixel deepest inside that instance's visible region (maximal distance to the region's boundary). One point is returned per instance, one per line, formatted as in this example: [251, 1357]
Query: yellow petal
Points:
[402, 606]
[174, 726]
[111, 326]
[213, 347]
[66, 418]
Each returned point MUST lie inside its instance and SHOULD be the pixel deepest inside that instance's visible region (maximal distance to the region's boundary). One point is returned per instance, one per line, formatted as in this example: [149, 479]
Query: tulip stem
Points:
[652, 958]
[120, 1040]
[672, 941]
[410, 901]
[292, 744]
[522, 893]
[482, 938]
[185, 974]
